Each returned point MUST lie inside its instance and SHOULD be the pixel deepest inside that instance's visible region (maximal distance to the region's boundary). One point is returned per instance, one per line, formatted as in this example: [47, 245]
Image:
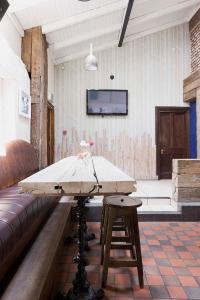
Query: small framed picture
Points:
[24, 105]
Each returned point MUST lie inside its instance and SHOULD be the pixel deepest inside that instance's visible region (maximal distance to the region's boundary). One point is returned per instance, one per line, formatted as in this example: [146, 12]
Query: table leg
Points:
[82, 290]
[87, 236]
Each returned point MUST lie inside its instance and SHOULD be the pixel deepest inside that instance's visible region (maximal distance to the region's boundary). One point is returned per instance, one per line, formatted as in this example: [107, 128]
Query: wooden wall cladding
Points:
[146, 67]
[135, 156]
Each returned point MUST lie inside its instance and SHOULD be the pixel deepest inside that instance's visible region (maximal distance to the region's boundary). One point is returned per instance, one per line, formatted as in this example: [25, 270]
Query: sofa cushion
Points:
[17, 213]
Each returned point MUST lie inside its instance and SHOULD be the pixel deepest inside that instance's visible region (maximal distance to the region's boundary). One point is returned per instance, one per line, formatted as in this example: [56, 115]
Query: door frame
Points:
[158, 110]
[51, 133]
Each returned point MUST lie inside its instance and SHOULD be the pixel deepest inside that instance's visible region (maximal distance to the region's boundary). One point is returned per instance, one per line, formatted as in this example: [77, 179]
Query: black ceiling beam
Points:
[3, 8]
[126, 20]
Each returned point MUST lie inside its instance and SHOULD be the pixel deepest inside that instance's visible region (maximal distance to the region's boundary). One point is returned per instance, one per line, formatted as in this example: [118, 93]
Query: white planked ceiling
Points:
[70, 25]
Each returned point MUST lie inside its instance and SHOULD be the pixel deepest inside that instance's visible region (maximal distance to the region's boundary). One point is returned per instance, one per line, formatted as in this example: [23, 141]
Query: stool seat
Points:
[122, 201]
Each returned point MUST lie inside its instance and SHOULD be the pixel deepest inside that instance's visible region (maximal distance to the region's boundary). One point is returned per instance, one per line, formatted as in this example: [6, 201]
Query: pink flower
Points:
[91, 143]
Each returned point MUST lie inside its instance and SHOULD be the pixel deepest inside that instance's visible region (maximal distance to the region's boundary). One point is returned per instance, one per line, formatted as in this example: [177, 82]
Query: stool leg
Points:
[102, 221]
[131, 236]
[107, 249]
[138, 249]
[104, 232]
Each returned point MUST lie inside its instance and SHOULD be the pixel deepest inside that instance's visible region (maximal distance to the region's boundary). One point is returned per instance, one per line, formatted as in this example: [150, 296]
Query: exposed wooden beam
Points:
[91, 14]
[34, 56]
[195, 20]
[86, 37]
[126, 20]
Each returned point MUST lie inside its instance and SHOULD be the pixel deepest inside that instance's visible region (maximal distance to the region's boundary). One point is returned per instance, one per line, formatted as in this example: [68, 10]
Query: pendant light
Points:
[91, 63]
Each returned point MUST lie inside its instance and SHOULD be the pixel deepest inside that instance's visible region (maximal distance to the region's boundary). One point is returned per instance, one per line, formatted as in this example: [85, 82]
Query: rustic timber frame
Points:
[34, 56]
[186, 173]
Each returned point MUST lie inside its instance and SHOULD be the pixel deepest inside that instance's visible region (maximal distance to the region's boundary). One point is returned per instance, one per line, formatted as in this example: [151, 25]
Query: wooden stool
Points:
[126, 208]
[118, 225]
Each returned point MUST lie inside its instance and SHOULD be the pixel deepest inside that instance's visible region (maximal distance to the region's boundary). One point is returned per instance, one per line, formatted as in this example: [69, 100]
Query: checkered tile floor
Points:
[171, 259]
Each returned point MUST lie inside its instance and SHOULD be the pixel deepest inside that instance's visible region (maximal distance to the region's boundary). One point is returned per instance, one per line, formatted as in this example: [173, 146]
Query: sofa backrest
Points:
[21, 161]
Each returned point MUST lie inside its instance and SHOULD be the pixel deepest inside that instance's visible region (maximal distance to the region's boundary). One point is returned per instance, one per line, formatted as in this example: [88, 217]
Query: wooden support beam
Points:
[126, 20]
[195, 20]
[34, 55]
[190, 86]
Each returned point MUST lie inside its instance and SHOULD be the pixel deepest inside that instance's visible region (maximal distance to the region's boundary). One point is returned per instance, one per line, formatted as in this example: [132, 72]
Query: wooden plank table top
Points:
[75, 177]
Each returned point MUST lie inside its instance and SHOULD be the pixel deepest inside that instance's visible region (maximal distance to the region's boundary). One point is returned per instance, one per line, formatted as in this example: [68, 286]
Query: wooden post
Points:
[34, 55]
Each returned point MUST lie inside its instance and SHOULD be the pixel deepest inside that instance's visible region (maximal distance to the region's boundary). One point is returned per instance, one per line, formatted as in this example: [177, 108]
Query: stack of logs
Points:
[186, 180]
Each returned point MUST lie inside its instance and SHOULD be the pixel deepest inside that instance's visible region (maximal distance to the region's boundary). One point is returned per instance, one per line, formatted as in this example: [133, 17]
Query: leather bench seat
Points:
[17, 213]
[21, 215]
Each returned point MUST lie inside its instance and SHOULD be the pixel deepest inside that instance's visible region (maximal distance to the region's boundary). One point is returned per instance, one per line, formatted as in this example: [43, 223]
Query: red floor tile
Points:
[195, 271]
[155, 280]
[159, 254]
[177, 292]
[177, 262]
[188, 281]
[141, 293]
[166, 270]
[149, 262]
[171, 260]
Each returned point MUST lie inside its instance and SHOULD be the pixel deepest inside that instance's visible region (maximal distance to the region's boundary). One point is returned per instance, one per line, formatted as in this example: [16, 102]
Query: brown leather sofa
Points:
[21, 215]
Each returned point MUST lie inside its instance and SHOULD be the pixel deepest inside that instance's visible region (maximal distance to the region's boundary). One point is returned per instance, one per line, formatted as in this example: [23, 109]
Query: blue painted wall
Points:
[193, 130]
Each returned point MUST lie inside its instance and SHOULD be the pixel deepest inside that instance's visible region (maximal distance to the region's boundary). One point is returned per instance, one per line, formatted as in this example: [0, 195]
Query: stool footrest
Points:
[118, 223]
[118, 228]
[126, 262]
[120, 239]
[127, 246]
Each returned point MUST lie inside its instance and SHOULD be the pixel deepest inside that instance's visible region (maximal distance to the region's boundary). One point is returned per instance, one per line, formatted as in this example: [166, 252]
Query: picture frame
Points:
[24, 105]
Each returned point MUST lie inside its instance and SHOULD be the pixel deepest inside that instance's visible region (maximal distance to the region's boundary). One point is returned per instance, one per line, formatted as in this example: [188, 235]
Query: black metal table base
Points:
[89, 294]
[87, 236]
[82, 290]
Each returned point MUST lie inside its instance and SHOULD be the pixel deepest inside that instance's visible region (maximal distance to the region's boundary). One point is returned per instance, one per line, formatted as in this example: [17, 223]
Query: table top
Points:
[74, 176]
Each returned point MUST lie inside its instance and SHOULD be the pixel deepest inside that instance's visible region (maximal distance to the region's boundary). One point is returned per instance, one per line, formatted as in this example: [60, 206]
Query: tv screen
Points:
[107, 102]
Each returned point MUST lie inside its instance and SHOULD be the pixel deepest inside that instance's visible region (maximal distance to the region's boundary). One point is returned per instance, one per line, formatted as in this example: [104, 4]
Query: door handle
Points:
[162, 151]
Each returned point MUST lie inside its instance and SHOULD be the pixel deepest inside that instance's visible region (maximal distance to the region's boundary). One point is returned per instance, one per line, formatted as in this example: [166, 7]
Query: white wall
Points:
[10, 33]
[13, 78]
[152, 68]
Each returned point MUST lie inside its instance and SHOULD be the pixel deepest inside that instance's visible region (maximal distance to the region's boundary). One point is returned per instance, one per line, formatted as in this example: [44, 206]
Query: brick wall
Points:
[195, 41]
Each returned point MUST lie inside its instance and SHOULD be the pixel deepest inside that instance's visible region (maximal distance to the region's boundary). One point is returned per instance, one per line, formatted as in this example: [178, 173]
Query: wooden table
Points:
[73, 176]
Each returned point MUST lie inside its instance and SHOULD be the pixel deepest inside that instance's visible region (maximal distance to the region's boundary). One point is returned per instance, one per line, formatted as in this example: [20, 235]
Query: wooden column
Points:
[34, 55]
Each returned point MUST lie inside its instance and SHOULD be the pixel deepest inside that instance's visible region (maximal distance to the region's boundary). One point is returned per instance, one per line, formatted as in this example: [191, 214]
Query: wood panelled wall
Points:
[34, 55]
[152, 68]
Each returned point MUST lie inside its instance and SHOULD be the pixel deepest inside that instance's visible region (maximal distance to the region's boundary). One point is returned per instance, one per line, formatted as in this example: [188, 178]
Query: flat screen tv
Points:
[107, 102]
